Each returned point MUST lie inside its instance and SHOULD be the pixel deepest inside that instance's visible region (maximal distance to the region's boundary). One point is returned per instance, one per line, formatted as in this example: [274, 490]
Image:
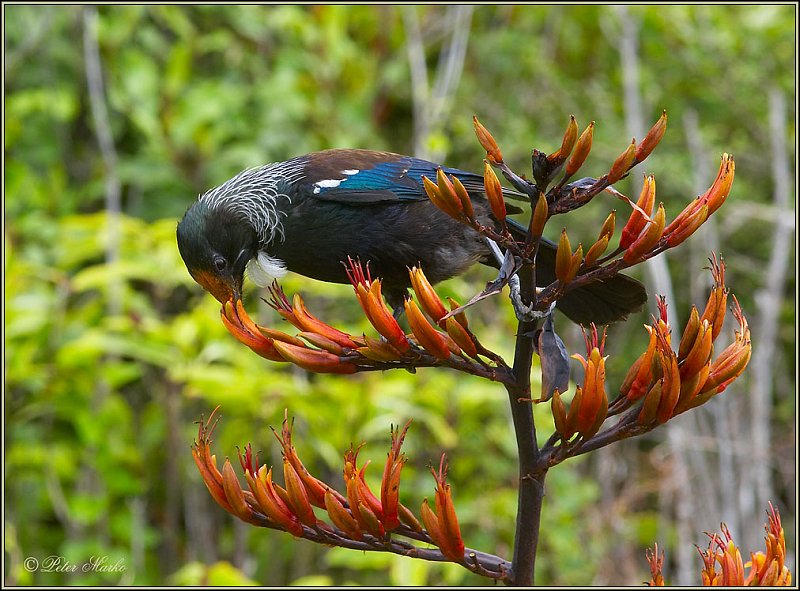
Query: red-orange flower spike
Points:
[356, 498]
[638, 220]
[272, 503]
[428, 298]
[594, 403]
[452, 544]
[207, 464]
[652, 139]
[429, 338]
[623, 163]
[582, 148]
[732, 361]
[670, 387]
[488, 142]
[656, 562]
[539, 217]
[390, 483]
[494, 192]
[315, 488]
[369, 296]
[713, 198]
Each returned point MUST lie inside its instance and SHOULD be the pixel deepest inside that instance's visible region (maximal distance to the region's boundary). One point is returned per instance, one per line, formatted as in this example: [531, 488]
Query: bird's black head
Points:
[216, 245]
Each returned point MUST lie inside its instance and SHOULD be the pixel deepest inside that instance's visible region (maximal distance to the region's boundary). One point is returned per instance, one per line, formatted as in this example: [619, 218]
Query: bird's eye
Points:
[220, 263]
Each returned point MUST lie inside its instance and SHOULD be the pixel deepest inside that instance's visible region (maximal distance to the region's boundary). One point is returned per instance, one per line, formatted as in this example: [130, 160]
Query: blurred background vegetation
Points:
[116, 118]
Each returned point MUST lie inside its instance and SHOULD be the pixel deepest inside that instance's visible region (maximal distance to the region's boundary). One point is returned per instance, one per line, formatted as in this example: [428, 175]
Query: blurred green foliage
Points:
[110, 359]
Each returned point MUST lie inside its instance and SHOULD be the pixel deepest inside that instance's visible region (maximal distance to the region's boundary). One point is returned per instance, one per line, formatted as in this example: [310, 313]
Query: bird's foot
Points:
[524, 312]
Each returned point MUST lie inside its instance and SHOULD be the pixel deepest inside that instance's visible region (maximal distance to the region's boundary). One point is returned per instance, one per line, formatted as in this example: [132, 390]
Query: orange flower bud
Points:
[407, 518]
[322, 342]
[670, 387]
[623, 163]
[371, 522]
[461, 317]
[463, 196]
[379, 350]
[427, 336]
[272, 504]
[309, 323]
[448, 193]
[609, 225]
[652, 138]
[461, 336]
[570, 137]
[688, 226]
[572, 415]
[539, 217]
[431, 523]
[487, 141]
[700, 353]
[640, 374]
[234, 494]
[314, 361]
[563, 258]
[341, 517]
[596, 251]
[435, 195]
[494, 192]
[637, 220]
[582, 148]
[428, 298]
[648, 239]
[298, 495]
[559, 414]
[689, 334]
[277, 335]
[652, 401]
[690, 387]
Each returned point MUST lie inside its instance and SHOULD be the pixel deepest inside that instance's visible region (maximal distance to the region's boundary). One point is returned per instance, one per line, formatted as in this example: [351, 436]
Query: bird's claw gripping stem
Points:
[508, 271]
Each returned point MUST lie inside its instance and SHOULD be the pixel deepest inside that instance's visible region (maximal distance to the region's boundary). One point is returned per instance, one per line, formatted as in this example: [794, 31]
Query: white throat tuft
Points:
[262, 269]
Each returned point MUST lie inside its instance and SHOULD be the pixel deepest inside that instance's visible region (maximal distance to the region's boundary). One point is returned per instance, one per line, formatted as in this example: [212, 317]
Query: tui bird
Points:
[310, 213]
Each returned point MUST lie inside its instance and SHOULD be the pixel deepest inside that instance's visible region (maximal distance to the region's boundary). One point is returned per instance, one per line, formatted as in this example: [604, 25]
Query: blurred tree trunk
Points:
[432, 103]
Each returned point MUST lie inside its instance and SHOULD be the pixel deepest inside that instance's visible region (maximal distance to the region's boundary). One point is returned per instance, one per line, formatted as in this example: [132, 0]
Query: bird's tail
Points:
[600, 302]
